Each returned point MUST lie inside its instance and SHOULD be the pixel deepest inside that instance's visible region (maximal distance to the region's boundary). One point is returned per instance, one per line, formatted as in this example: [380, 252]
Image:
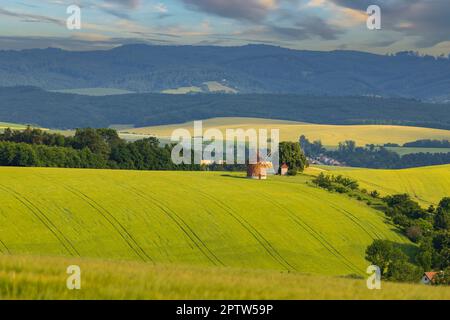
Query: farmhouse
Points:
[428, 277]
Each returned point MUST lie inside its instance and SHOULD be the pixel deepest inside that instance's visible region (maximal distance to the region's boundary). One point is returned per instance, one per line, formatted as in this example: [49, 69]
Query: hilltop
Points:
[330, 135]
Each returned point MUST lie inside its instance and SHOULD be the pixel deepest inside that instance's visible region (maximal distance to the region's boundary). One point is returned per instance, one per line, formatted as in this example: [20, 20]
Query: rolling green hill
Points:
[193, 218]
[330, 135]
[428, 185]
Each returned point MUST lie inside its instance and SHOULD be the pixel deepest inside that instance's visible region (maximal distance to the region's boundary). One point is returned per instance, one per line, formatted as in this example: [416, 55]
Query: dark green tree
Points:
[380, 253]
[442, 217]
[293, 156]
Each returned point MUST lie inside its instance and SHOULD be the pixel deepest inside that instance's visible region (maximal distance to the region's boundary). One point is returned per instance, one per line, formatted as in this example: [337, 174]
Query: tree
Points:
[379, 253]
[442, 217]
[401, 204]
[414, 233]
[424, 256]
[91, 139]
[311, 149]
[401, 270]
[293, 156]
[392, 262]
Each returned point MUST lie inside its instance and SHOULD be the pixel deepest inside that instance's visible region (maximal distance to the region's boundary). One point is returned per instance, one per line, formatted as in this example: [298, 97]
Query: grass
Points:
[31, 277]
[427, 185]
[194, 218]
[330, 135]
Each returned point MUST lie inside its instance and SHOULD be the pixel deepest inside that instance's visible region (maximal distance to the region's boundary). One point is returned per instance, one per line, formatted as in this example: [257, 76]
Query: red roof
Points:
[430, 275]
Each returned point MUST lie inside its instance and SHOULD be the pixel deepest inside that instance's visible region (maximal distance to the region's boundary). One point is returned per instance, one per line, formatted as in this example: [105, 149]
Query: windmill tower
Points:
[258, 170]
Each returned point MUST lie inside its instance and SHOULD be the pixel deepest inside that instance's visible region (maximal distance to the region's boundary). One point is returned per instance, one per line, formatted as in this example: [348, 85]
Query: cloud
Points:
[306, 27]
[131, 4]
[426, 20]
[161, 8]
[279, 19]
[31, 17]
[250, 10]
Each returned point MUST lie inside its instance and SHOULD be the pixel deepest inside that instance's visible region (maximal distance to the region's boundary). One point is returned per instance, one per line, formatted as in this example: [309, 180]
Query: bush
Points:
[442, 278]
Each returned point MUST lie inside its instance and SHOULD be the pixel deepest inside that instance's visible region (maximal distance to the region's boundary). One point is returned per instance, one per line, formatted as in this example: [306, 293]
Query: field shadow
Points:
[233, 176]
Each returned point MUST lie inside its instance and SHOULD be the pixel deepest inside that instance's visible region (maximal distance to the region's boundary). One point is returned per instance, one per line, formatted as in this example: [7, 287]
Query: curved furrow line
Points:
[4, 245]
[44, 220]
[325, 243]
[121, 230]
[352, 217]
[181, 223]
[372, 227]
[253, 231]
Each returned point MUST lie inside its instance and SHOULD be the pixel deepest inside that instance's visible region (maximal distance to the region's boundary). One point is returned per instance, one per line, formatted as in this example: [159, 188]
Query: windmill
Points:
[259, 169]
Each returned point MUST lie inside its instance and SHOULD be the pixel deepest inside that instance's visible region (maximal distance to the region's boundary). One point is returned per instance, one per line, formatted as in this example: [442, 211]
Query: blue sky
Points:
[418, 25]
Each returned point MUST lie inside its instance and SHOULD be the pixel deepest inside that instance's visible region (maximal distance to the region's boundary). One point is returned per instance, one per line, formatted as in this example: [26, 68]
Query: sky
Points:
[406, 25]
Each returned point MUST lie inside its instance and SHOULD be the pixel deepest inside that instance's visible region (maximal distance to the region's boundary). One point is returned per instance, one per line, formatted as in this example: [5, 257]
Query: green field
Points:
[330, 135]
[428, 185]
[197, 218]
[25, 277]
[187, 235]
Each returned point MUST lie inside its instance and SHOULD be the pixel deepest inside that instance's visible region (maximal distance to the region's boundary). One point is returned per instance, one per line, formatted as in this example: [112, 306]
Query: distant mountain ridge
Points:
[246, 69]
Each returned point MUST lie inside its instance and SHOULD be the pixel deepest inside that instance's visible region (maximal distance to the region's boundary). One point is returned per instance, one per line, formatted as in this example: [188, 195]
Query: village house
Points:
[428, 277]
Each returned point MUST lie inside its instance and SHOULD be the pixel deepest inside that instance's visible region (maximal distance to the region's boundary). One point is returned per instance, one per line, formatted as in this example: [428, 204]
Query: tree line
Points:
[88, 148]
[428, 228]
[427, 143]
[104, 149]
[372, 156]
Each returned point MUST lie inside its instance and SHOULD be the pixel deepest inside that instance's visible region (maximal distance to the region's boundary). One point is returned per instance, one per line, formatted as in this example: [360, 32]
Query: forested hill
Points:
[247, 69]
[31, 105]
